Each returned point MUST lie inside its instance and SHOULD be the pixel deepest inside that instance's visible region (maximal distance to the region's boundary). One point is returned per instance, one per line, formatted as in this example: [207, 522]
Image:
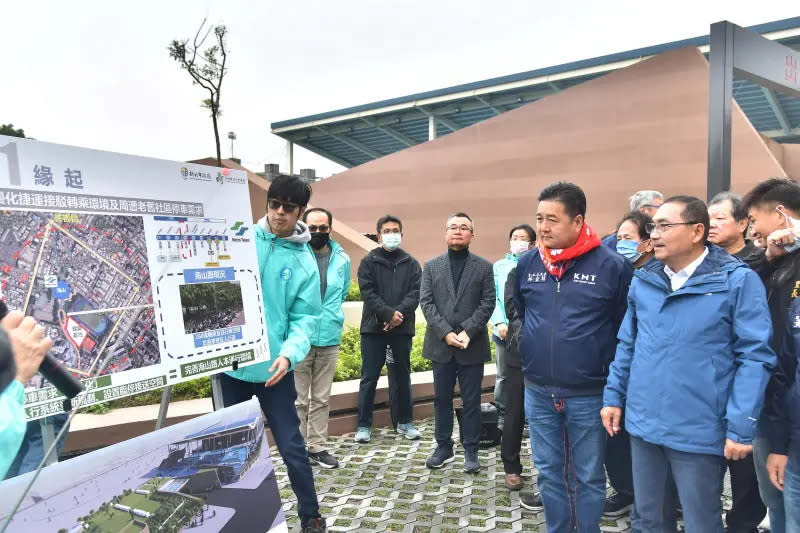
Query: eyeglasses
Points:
[463, 227]
[323, 228]
[388, 231]
[661, 227]
[288, 207]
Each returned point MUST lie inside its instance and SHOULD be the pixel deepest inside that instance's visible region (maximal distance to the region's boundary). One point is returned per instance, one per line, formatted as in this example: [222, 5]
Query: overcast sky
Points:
[97, 73]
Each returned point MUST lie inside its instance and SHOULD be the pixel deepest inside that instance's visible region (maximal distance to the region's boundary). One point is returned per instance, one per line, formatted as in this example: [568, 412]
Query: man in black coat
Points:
[457, 298]
[773, 207]
[389, 280]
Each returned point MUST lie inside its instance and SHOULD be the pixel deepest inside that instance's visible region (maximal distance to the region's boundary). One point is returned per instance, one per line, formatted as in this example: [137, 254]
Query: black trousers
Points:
[444, 383]
[747, 510]
[373, 357]
[277, 402]
[513, 422]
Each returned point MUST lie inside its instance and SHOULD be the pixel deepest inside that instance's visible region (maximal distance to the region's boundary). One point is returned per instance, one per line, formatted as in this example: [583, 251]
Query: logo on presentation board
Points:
[286, 274]
[226, 176]
[189, 174]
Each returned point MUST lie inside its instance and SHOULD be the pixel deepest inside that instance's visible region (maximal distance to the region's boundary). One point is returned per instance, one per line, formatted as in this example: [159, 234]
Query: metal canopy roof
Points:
[359, 134]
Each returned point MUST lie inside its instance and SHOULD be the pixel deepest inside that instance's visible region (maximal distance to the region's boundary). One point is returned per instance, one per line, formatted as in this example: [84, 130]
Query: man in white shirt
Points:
[692, 362]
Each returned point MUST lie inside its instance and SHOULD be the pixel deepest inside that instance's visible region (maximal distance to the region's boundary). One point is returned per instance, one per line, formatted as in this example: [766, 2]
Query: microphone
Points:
[53, 371]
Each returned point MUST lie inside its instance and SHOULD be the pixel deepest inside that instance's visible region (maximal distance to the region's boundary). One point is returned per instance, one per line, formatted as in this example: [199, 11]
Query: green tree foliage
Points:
[8, 129]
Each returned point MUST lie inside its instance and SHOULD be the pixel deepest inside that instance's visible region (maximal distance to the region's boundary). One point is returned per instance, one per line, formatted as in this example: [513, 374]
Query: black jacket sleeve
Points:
[411, 300]
[514, 321]
[369, 292]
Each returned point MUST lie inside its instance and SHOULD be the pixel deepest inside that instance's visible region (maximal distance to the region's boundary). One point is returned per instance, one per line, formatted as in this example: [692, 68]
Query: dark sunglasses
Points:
[323, 228]
[288, 207]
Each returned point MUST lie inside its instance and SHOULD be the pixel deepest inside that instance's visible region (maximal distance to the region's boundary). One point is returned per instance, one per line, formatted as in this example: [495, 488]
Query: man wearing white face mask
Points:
[389, 279]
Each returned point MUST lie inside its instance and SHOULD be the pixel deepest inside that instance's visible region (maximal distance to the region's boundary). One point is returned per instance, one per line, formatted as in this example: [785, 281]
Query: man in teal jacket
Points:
[314, 375]
[290, 286]
[522, 238]
[691, 368]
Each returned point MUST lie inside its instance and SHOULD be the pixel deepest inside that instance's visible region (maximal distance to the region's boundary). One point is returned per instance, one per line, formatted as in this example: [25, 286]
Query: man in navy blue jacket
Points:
[570, 294]
[784, 470]
[691, 367]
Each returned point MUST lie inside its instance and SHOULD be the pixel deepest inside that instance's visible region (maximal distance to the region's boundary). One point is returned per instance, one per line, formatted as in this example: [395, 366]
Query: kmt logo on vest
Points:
[587, 279]
[286, 274]
[537, 277]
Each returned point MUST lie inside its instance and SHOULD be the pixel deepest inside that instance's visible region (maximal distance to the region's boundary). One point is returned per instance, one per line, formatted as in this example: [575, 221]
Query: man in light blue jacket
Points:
[291, 290]
[691, 367]
[314, 375]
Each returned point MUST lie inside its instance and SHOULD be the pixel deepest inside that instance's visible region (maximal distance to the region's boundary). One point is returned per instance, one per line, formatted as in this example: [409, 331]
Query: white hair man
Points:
[646, 202]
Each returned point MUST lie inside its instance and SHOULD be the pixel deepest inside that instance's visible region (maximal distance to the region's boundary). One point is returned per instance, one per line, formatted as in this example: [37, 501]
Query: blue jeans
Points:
[568, 444]
[770, 495]
[444, 383]
[699, 481]
[277, 402]
[31, 451]
[500, 378]
[791, 499]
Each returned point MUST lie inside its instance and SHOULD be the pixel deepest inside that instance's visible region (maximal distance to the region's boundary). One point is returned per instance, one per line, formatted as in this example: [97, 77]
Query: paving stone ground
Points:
[385, 486]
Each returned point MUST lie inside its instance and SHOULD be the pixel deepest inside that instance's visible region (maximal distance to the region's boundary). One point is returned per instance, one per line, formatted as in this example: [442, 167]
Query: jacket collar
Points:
[300, 235]
[402, 256]
[714, 268]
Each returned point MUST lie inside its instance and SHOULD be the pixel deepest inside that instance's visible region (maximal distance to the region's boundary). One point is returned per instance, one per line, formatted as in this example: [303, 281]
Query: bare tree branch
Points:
[205, 67]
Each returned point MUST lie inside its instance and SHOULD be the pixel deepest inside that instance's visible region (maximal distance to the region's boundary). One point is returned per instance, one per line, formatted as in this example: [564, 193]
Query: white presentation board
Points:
[209, 474]
[143, 271]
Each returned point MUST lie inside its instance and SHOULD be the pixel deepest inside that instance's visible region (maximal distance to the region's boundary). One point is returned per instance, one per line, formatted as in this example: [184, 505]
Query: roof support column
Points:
[431, 127]
[290, 155]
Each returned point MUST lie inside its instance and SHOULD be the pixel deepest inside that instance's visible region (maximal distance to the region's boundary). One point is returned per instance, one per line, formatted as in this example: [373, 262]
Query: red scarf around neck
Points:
[557, 261]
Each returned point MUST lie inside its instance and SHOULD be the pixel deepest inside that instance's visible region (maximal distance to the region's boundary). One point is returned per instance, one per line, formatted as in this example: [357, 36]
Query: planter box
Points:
[352, 314]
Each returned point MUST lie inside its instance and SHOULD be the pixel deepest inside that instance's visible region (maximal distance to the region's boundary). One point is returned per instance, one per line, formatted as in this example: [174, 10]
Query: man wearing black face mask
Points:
[313, 376]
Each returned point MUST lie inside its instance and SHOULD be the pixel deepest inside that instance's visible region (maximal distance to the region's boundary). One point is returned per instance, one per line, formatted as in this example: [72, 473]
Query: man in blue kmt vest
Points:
[691, 367]
[570, 293]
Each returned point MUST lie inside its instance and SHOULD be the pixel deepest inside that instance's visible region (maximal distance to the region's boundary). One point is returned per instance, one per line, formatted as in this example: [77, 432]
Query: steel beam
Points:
[391, 132]
[353, 143]
[326, 154]
[777, 108]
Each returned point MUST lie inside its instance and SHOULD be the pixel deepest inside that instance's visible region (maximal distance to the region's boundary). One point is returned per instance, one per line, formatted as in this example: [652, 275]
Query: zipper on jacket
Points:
[553, 330]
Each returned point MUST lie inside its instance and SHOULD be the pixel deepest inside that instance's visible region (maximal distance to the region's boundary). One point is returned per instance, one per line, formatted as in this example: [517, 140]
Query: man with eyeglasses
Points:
[457, 298]
[570, 294]
[389, 279]
[691, 366]
[773, 207]
[314, 375]
[290, 286]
